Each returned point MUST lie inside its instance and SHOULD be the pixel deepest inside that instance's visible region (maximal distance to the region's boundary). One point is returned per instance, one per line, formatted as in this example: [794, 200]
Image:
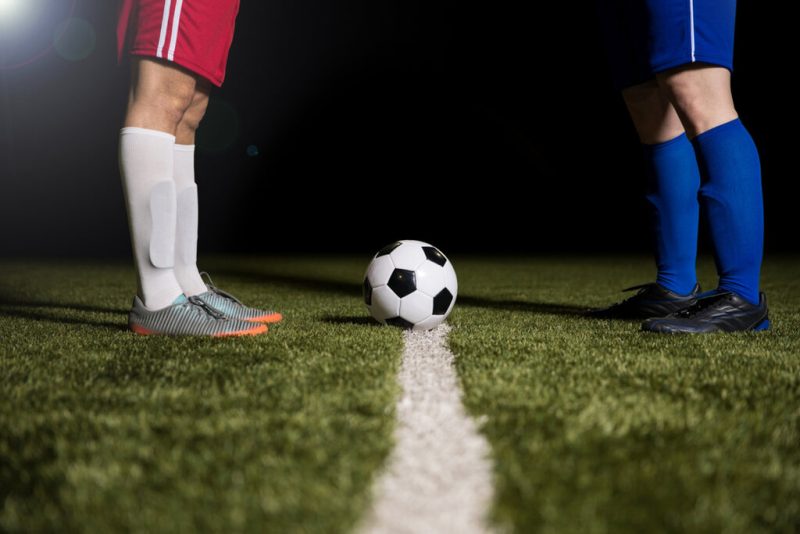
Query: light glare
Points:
[16, 15]
[10, 9]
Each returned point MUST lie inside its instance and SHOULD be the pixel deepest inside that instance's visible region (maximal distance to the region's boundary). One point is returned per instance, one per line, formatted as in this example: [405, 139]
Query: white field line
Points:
[438, 478]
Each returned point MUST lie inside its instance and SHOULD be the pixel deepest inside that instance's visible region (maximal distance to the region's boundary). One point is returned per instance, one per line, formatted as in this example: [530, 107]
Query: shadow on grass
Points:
[41, 310]
[304, 283]
[54, 318]
[354, 290]
[358, 320]
[10, 300]
[548, 308]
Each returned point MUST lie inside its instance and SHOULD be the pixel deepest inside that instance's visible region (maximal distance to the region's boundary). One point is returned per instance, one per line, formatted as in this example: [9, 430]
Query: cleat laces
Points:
[218, 291]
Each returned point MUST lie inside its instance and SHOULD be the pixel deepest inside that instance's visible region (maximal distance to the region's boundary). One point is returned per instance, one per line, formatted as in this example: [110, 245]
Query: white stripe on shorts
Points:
[164, 24]
[176, 24]
[691, 23]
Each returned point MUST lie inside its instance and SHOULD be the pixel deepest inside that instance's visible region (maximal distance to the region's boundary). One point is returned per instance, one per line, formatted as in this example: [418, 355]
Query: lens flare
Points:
[74, 39]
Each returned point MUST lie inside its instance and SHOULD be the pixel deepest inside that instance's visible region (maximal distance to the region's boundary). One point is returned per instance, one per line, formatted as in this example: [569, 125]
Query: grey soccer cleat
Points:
[188, 317]
[233, 307]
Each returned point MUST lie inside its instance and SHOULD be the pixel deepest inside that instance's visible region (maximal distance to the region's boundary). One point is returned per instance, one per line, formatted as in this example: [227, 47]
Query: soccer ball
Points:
[410, 284]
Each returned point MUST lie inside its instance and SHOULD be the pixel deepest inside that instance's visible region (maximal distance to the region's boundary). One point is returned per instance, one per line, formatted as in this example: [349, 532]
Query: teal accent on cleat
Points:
[188, 317]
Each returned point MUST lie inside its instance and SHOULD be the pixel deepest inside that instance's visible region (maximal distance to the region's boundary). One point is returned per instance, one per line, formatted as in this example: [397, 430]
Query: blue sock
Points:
[731, 196]
[673, 182]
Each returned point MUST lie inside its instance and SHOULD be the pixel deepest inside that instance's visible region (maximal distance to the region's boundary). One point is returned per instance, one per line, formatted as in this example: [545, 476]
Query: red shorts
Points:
[195, 34]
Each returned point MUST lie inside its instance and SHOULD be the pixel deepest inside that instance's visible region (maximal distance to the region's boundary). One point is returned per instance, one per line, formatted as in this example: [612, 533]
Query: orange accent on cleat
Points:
[254, 331]
[140, 330]
[268, 318]
[259, 329]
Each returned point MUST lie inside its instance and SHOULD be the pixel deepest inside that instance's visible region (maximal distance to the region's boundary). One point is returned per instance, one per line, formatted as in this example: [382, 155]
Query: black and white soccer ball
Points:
[410, 284]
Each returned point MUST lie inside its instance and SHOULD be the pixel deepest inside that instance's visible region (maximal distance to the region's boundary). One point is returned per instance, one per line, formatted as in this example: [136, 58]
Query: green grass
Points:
[102, 430]
[598, 427]
[595, 426]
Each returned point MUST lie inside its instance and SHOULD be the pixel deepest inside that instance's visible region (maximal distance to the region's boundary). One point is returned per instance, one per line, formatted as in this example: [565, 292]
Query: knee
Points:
[687, 95]
[701, 95]
[173, 102]
[642, 100]
[653, 116]
[164, 103]
[195, 112]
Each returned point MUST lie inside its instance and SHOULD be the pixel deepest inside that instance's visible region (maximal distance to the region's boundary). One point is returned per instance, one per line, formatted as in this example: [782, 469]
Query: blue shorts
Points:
[644, 37]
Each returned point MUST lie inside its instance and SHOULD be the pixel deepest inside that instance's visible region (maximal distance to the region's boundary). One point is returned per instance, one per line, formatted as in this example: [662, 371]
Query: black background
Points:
[373, 121]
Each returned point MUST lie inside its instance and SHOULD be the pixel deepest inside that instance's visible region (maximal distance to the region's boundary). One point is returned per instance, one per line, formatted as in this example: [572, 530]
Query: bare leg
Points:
[653, 115]
[186, 188]
[160, 95]
[673, 182]
[729, 162]
[187, 127]
[701, 95]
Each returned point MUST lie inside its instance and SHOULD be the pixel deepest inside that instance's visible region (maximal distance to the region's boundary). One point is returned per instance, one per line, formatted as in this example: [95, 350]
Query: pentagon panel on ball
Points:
[410, 284]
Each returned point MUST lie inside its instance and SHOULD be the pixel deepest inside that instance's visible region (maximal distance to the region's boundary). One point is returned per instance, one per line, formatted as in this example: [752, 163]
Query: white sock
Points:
[186, 236]
[146, 161]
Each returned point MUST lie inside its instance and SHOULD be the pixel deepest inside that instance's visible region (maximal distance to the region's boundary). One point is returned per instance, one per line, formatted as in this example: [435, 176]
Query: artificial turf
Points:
[102, 430]
[595, 426]
[598, 427]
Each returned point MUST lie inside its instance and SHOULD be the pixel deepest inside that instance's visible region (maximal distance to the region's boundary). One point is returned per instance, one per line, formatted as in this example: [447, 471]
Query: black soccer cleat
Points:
[652, 300]
[717, 312]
